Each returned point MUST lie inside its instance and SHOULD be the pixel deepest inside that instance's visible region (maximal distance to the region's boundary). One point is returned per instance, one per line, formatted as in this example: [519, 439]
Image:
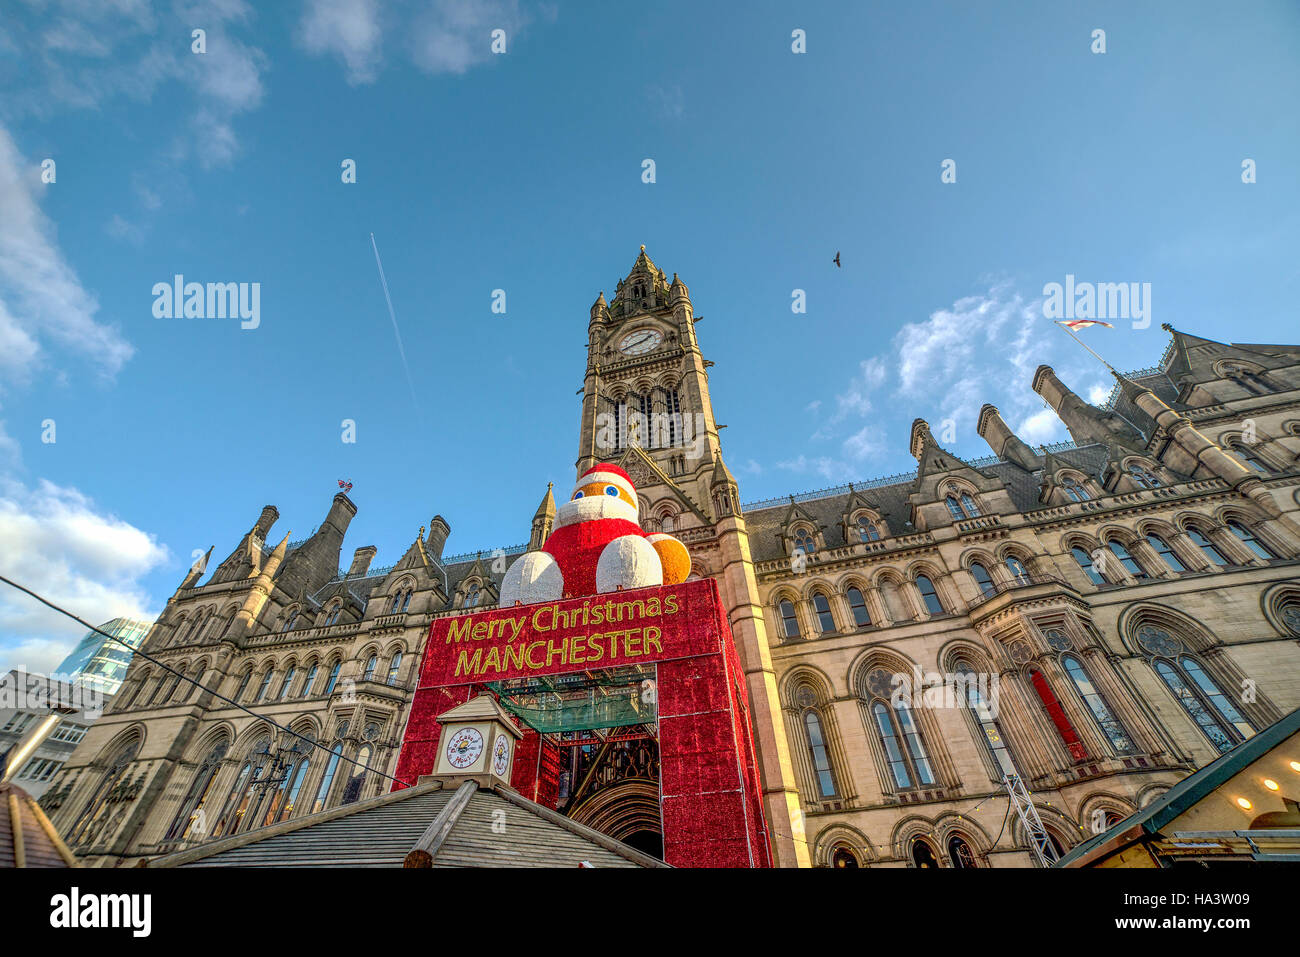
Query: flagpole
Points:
[1070, 333]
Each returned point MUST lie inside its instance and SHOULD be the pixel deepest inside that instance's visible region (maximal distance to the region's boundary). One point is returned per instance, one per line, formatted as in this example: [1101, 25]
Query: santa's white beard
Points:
[592, 507]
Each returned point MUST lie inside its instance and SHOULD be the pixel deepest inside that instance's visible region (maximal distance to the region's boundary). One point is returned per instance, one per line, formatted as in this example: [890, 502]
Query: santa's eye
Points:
[579, 494]
[611, 490]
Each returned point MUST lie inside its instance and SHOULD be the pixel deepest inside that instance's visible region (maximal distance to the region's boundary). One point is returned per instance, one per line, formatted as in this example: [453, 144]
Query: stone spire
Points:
[1087, 424]
[543, 520]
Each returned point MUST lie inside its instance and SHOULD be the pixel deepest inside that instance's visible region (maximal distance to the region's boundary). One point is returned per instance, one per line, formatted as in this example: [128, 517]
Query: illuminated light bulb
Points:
[1295, 766]
[1245, 805]
[1270, 784]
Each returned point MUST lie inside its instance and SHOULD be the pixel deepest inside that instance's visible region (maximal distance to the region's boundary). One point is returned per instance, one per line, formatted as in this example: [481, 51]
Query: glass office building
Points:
[101, 662]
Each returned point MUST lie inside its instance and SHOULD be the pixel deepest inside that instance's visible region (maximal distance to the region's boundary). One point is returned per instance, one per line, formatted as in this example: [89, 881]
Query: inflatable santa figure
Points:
[597, 546]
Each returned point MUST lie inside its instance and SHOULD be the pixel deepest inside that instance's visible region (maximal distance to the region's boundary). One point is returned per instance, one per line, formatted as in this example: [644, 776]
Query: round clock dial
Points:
[500, 755]
[464, 748]
[640, 342]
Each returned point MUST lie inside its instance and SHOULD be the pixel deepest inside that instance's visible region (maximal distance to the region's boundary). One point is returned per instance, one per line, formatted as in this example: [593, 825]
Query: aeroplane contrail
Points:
[393, 316]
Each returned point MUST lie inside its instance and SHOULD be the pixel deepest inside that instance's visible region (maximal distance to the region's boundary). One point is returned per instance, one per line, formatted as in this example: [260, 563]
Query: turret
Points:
[600, 308]
[258, 594]
[723, 487]
[1087, 424]
[316, 561]
[361, 560]
[543, 520]
[438, 532]
[1004, 443]
[196, 571]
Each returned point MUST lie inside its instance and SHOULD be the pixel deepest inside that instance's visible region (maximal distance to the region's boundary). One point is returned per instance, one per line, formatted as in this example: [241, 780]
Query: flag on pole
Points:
[1082, 323]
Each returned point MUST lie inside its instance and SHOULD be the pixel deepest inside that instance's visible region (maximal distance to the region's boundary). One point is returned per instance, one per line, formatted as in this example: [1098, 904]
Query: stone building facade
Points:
[1100, 617]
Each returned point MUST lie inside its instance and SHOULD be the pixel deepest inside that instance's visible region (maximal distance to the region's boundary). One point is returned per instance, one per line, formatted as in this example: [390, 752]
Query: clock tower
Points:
[646, 407]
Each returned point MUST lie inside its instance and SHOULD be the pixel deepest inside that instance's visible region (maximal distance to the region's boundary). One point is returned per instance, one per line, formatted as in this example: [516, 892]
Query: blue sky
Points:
[522, 172]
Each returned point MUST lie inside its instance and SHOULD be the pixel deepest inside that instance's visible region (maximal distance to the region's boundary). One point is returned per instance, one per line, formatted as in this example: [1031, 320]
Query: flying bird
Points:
[346, 486]
[836, 260]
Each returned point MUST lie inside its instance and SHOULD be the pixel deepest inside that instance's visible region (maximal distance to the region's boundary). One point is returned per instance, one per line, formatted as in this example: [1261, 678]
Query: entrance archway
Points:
[627, 811]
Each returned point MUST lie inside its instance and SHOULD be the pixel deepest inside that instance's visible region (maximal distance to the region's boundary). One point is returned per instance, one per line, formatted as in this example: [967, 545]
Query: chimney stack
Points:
[1004, 443]
[361, 560]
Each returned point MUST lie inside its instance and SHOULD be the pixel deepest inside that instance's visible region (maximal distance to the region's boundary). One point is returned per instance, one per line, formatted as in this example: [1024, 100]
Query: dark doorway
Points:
[647, 842]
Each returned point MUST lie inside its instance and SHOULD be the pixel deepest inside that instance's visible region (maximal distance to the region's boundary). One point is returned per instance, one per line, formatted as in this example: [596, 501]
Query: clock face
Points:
[640, 342]
[464, 748]
[500, 755]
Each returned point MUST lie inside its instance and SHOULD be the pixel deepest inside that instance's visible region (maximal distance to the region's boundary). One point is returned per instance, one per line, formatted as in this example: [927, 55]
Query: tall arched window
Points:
[1125, 559]
[266, 683]
[1201, 698]
[394, 667]
[406, 599]
[309, 682]
[327, 779]
[1258, 548]
[369, 673]
[1073, 490]
[290, 621]
[473, 595]
[825, 620]
[192, 804]
[1056, 714]
[1208, 547]
[334, 676]
[117, 768]
[1165, 552]
[333, 616]
[1143, 476]
[954, 507]
[909, 764]
[1110, 725]
[858, 605]
[982, 578]
[821, 761]
[789, 621]
[803, 540]
[245, 794]
[299, 773]
[1018, 570]
[991, 731]
[243, 683]
[1085, 562]
[969, 505]
[287, 683]
[929, 597]
[960, 854]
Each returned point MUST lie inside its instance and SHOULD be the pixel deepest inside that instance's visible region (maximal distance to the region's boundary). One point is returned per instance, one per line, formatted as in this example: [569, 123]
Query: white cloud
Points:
[451, 35]
[813, 406]
[54, 541]
[347, 28]
[866, 442]
[1099, 393]
[1041, 427]
[41, 298]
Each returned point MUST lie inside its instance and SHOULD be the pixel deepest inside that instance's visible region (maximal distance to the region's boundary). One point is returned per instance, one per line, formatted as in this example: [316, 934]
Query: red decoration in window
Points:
[1053, 706]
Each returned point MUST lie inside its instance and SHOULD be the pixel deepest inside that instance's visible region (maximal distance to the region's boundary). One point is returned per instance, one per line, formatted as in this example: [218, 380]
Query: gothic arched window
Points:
[1125, 559]
[1248, 456]
[1017, 569]
[287, 683]
[909, 764]
[290, 621]
[858, 605]
[960, 854]
[1201, 698]
[1085, 562]
[334, 676]
[310, 680]
[821, 761]
[954, 507]
[982, 578]
[327, 779]
[394, 667]
[266, 683]
[825, 620]
[333, 616]
[369, 673]
[789, 622]
[1143, 476]
[1110, 725]
[929, 597]
[867, 530]
[1205, 545]
[1073, 490]
[1258, 548]
[114, 774]
[243, 683]
[803, 541]
[969, 505]
[923, 854]
[473, 595]
[1165, 552]
[1056, 714]
[991, 731]
[191, 811]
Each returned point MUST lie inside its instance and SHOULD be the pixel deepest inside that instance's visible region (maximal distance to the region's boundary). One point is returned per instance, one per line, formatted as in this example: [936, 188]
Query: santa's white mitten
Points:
[628, 562]
[533, 577]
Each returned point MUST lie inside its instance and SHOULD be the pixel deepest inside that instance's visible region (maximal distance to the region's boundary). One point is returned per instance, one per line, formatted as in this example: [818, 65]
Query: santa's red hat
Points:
[608, 474]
